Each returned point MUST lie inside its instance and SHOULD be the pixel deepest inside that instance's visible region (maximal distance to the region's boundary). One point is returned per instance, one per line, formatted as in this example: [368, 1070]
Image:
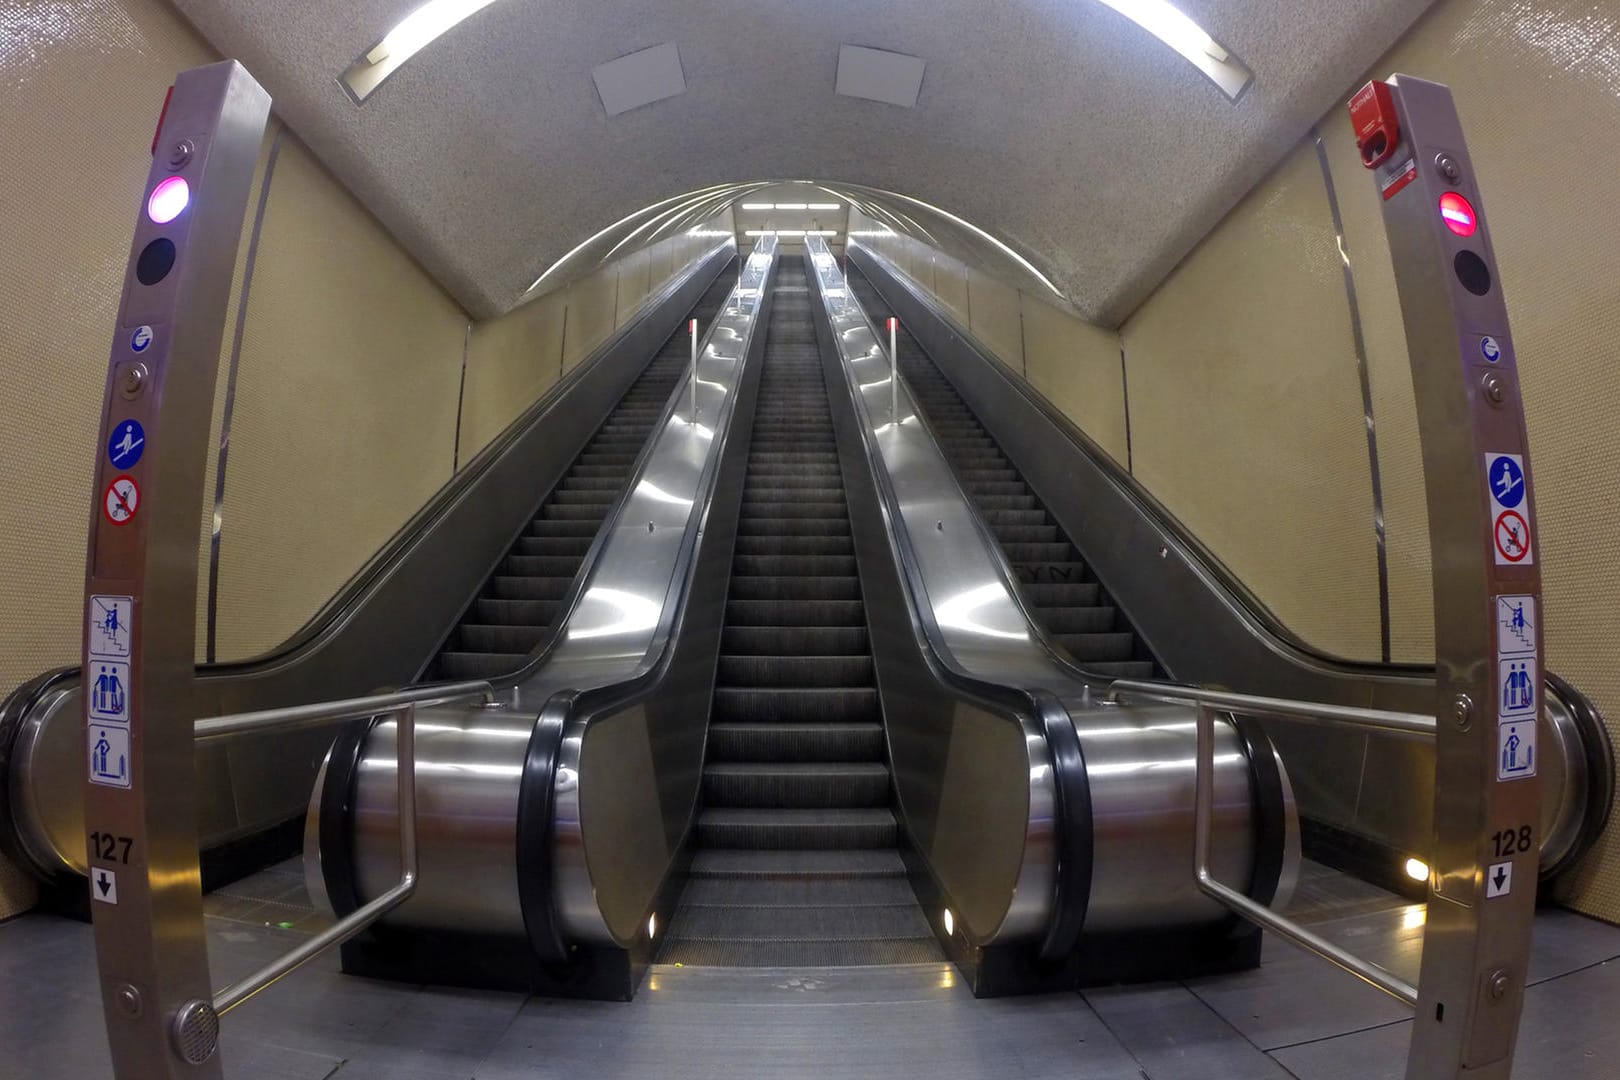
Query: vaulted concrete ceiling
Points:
[1058, 126]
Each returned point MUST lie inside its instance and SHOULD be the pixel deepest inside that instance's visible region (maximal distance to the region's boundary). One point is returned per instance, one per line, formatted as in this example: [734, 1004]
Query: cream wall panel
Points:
[1246, 412]
[59, 308]
[1512, 67]
[345, 412]
[997, 321]
[633, 281]
[592, 301]
[1400, 457]
[205, 530]
[1076, 366]
[950, 285]
[511, 361]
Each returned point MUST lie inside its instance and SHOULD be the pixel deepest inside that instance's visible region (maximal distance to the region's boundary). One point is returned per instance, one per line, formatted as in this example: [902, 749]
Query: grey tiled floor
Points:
[1294, 1017]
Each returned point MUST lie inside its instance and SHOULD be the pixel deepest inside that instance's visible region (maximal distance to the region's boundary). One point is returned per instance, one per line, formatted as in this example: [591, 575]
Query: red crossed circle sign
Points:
[1512, 534]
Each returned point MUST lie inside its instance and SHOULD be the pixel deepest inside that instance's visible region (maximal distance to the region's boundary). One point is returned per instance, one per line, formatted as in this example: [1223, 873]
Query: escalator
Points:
[522, 598]
[796, 860]
[1061, 591]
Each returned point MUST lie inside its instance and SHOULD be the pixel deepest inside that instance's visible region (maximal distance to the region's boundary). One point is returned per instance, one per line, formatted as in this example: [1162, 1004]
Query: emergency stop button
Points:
[1372, 118]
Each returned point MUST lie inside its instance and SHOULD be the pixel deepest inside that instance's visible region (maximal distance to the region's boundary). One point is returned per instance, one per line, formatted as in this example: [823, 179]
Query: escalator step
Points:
[758, 525]
[1089, 648]
[804, 865]
[795, 742]
[795, 613]
[740, 639]
[507, 587]
[796, 705]
[794, 565]
[795, 545]
[795, 588]
[563, 566]
[797, 671]
[509, 640]
[454, 666]
[820, 891]
[575, 547]
[830, 828]
[1079, 620]
[515, 612]
[796, 784]
[799, 922]
[1055, 594]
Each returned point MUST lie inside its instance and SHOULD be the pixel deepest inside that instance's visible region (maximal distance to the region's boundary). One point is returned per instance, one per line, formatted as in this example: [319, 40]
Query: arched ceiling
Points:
[1058, 126]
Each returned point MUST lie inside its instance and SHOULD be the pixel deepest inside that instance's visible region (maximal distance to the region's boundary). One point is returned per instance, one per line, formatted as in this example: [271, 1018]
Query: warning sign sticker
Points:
[1510, 509]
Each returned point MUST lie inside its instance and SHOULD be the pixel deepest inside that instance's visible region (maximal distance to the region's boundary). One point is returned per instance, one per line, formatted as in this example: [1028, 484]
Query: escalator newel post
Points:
[692, 326]
[139, 645]
[894, 371]
[1487, 586]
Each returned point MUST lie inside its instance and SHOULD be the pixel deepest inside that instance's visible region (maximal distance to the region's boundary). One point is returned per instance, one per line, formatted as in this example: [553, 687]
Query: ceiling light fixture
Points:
[1172, 26]
[758, 206]
[408, 37]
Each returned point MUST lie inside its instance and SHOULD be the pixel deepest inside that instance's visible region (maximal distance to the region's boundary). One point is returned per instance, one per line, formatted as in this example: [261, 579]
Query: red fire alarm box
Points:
[1372, 117]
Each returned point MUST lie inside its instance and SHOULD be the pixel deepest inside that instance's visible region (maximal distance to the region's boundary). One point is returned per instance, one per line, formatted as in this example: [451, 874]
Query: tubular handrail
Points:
[402, 707]
[1406, 725]
[1400, 724]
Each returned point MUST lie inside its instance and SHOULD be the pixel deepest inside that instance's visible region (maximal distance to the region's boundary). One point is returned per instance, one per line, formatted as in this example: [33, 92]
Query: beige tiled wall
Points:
[65, 249]
[1246, 412]
[1076, 366]
[1539, 93]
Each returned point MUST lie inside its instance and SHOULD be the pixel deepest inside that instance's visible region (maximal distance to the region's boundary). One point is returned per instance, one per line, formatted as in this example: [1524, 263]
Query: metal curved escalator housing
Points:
[1207, 628]
[379, 630]
[994, 732]
[551, 822]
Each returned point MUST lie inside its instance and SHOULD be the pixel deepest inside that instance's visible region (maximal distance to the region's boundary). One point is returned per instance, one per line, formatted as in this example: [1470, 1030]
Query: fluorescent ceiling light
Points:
[823, 206]
[791, 205]
[1170, 25]
[758, 206]
[408, 37]
[791, 232]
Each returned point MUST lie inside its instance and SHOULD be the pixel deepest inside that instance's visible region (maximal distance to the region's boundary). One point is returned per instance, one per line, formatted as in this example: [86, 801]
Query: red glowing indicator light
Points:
[168, 200]
[1458, 214]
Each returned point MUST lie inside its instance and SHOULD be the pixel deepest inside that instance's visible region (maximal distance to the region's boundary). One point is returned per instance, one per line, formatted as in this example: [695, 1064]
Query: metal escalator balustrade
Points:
[1059, 587]
[522, 599]
[796, 861]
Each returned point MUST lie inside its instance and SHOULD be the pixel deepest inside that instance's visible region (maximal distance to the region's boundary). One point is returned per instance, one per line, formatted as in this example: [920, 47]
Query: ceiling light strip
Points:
[1173, 27]
[408, 37]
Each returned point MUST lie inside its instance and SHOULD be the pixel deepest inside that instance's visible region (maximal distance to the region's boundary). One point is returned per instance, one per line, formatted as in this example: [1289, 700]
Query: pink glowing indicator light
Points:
[1458, 214]
[168, 200]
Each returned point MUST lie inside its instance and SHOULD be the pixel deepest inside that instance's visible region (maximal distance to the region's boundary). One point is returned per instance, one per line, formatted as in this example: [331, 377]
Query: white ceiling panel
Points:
[640, 79]
[879, 75]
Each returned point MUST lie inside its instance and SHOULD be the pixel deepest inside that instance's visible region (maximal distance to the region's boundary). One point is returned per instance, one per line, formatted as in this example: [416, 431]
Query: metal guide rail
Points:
[1404, 725]
[401, 707]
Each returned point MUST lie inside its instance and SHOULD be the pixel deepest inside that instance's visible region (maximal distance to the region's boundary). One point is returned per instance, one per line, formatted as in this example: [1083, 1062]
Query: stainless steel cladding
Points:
[1138, 758]
[474, 759]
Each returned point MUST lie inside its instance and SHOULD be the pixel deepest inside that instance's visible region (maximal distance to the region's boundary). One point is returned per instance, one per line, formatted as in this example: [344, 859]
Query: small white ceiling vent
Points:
[878, 75]
[640, 78]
